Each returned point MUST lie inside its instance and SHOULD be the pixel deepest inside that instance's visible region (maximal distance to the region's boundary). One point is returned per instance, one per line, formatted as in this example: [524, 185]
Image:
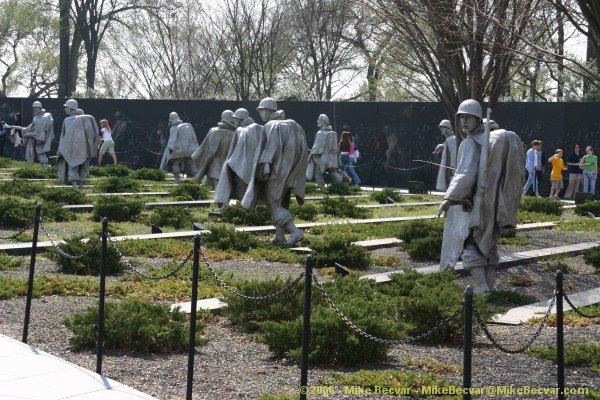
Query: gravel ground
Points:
[231, 366]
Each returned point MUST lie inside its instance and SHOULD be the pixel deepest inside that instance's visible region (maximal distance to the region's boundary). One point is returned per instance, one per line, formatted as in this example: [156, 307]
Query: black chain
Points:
[61, 252]
[243, 296]
[137, 271]
[578, 311]
[398, 168]
[423, 335]
[17, 234]
[528, 343]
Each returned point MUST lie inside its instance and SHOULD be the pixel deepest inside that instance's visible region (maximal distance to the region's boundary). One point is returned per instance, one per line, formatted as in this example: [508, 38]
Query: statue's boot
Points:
[177, 178]
[279, 236]
[490, 276]
[44, 166]
[478, 275]
[296, 234]
[80, 185]
[74, 184]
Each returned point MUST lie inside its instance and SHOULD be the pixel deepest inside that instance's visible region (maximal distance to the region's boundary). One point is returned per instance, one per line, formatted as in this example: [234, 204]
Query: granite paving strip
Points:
[518, 315]
[506, 260]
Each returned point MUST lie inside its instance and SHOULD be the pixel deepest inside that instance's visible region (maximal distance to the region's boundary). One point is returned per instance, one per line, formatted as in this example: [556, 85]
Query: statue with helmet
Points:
[448, 156]
[483, 196]
[38, 135]
[324, 158]
[211, 154]
[236, 172]
[279, 170]
[79, 140]
[181, 145]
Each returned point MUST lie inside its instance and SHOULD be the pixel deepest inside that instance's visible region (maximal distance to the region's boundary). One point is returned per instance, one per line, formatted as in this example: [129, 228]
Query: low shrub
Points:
[587, 354]
[305, 212]
[249, 314]
[21, 187]
[15, 212]
[33, 171]
[312, 188]
[116, 184]
[541, 205]
[118, 170]
[225, 237]
[408, 306]
[341, 207]
[8, 263]
[149, 174]
[238, 215]
[422, 238]
[133, 325]
[383, 196]
[424, 300]
[118, 208]
[592, 256]
[338, 248]
[341, 188]
[52, 211]
[192, 191]
[588, 207]
[402, 382]
[64, 196]
[507, 297]
[87, 261]
[177, 217]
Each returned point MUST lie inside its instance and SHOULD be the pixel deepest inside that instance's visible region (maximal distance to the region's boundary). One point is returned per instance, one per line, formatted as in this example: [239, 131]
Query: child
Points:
[556, 178]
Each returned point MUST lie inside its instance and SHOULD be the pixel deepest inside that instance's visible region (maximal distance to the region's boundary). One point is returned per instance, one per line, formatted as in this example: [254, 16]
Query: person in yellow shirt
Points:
[556, 177]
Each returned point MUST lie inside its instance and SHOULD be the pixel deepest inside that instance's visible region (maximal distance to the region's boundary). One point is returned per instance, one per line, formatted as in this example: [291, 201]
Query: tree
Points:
[584, 15]
[15, 27]
[462, 49]
[175, 59]
[254, 39]
[92, 19]
[324, 52]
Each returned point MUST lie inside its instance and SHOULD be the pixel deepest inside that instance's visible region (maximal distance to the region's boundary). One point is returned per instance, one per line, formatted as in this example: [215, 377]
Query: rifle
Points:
[485, 149]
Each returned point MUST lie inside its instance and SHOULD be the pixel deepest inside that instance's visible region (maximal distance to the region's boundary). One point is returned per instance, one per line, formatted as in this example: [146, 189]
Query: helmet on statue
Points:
[470, 107]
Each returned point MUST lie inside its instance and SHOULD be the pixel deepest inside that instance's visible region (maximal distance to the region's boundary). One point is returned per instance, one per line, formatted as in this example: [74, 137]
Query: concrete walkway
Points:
[28, 373]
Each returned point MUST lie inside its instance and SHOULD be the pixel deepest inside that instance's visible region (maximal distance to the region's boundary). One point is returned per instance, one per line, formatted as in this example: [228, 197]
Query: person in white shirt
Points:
[108, 144]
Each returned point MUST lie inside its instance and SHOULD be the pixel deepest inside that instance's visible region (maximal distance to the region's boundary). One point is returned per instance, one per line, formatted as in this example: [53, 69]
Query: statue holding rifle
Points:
[38, 135]
[483, 196]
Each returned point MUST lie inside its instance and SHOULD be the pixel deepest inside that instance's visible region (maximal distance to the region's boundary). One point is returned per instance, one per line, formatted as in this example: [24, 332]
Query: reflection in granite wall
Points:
[390, 136]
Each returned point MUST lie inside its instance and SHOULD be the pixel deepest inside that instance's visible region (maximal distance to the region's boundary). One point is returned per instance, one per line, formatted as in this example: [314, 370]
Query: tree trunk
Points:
[73, 63]
[64, 53]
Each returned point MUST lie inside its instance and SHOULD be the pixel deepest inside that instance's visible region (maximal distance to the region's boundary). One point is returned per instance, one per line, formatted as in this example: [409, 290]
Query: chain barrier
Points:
[401, 169]
[151, 151]
[137, 271]
[61, 252]
[375, 338]
[578, 311]
[363, 164]
[528, 343]
[128, 150]
[243, 296]
[14, 236]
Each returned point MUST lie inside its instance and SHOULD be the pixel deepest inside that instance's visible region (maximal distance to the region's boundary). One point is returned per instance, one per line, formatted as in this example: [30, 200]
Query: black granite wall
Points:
[394, 134]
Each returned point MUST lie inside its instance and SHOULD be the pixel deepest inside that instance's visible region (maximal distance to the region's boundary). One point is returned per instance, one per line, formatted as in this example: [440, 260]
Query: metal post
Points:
[467, 340]
[36, 228]
[306, 328]
[192, 341]
[104, 237]
[560, 339]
